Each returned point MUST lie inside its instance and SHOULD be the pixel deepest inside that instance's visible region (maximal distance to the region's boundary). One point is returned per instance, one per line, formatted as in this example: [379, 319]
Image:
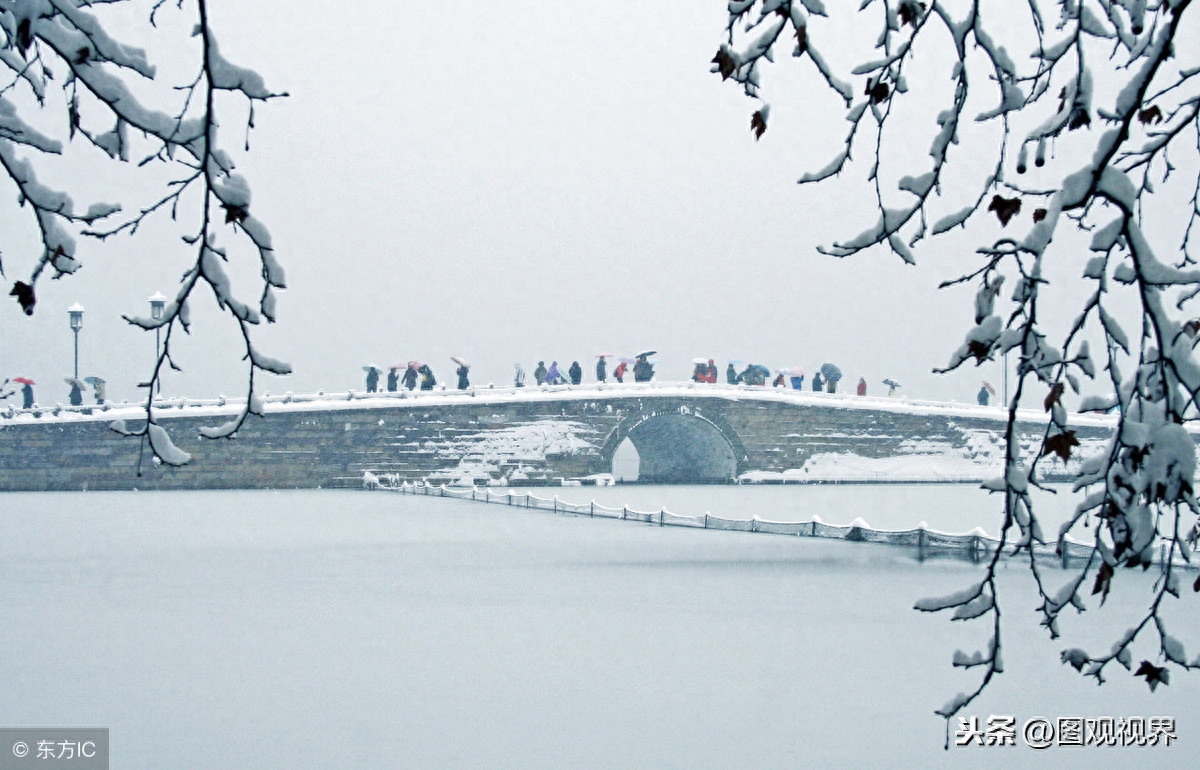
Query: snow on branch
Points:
[70, 44]
[1085, 114]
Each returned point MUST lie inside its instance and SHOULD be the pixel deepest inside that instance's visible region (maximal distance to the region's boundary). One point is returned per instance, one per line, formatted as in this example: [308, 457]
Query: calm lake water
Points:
[368, 629]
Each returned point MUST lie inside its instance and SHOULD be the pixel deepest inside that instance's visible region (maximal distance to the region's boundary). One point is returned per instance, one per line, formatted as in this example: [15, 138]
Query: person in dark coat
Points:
[463, 382]
[575, 373]
[862, 386]
[372, 380]
[553, 377]
[393, 380]
[982, 398]
[601, 370]
[410, 377]
[539, 373]
[731, 375]
[643, 370]
[76, 395]
[818, 383]
[427, 378]
[619, 372]
[27, 396]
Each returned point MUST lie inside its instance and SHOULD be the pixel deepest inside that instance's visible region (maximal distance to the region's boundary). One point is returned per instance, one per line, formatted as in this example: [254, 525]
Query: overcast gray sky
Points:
[521, 181]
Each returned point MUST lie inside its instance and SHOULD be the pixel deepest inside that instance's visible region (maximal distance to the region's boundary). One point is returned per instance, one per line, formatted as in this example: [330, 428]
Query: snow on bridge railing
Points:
[975, 546]
[186, 406]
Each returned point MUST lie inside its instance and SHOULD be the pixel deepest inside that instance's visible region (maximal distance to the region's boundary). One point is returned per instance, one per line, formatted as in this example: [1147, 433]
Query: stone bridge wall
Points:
[502, 437]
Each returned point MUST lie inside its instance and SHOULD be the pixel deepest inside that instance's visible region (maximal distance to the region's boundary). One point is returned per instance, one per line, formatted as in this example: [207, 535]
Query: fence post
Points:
[556, 503]
[754, 524]
[661, 512]
[592, 512]
[624, 510]
[921, 544]
[706, 519]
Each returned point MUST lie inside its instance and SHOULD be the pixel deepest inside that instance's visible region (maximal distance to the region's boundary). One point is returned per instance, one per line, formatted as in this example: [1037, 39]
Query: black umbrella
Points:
[891, 383]
[831, 372]
[647, 354]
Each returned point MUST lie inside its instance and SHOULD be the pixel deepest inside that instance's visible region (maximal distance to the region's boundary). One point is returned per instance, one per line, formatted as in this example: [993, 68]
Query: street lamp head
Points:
[157, 303]
[75, 313]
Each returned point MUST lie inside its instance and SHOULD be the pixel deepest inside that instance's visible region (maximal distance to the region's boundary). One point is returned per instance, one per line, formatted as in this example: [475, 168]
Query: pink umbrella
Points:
[24, 380]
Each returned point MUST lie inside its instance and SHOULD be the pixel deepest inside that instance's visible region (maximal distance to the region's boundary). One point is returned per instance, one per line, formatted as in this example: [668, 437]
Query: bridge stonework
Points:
[710, 434]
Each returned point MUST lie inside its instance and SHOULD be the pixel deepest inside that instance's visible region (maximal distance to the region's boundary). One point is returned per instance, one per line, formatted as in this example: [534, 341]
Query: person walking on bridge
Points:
[427, 378]
[463, 382]
[619, 372]
[519, 377]
[393, 382]
[553, 377]
[601, 370]
[817, 382]
[643, 370]
[410, 377]
[575, 373]
[731, 375]
[539, 374]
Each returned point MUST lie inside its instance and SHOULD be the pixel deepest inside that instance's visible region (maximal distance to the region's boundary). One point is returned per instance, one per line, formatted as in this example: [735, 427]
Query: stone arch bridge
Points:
[683, 433]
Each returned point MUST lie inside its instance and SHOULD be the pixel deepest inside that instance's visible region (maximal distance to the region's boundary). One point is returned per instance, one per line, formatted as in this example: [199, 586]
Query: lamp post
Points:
[157, 303]
[75, 314]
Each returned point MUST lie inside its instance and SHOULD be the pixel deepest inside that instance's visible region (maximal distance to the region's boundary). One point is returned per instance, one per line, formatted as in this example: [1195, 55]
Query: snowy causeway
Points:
[322, 629]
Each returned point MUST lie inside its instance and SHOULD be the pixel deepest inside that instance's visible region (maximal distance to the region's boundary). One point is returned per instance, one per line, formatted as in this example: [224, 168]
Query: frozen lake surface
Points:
[355, 629]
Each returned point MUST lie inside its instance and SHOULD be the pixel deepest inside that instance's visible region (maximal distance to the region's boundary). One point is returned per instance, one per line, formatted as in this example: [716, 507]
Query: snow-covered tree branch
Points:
[1088, 116]
[66, 68]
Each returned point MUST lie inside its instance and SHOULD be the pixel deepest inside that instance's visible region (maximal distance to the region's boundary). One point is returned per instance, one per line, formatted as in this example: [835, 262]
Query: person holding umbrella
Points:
[985, 394]
[76, 394]
[619, 372]
[892, 385]
[832, 375]
[372, 378]
[643, 370]
[410, 374]
[461, 371]
[26, 391]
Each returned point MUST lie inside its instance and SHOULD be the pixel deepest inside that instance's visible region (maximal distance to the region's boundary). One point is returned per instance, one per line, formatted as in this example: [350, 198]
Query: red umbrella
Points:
[24, 380]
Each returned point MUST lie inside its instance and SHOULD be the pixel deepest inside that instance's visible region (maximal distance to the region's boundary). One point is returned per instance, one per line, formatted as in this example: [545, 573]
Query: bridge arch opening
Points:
[677, 449]
[626, 462]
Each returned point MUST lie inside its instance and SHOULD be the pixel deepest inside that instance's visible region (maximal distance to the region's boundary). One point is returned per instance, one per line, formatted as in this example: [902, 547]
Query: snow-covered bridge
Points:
[682, 433]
